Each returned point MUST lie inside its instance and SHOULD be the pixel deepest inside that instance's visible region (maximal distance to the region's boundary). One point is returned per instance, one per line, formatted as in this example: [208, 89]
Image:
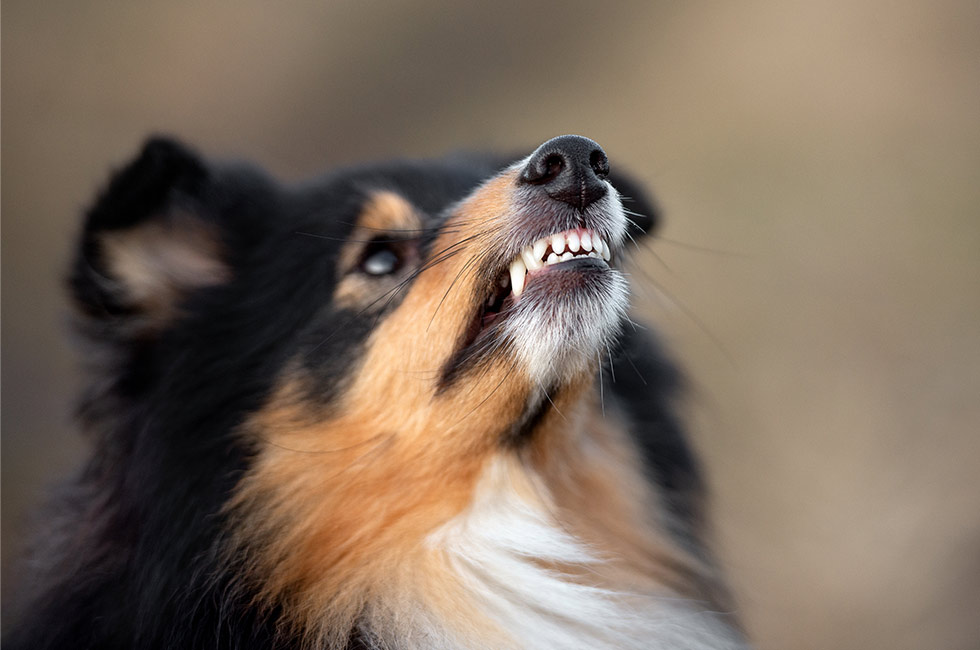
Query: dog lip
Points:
[551, 282]
[580, 261]
[552, 251]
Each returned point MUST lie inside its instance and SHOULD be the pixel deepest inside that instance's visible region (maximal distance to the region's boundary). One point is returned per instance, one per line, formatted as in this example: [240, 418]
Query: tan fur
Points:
[347, 494]
[385, 215]
[589, 463]
[344, 497]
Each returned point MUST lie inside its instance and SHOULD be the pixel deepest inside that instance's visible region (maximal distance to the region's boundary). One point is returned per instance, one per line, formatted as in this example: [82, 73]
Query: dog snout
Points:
[569, 169]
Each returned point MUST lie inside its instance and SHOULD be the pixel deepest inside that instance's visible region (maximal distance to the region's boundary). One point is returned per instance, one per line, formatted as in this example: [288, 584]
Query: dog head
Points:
[323, 388]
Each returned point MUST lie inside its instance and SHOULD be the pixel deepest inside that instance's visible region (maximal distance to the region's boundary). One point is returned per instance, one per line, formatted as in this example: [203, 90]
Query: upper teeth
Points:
[551, 250]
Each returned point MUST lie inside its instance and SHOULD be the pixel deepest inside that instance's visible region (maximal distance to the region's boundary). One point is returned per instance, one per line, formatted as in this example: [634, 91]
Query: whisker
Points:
[637, 370]
[648, 248]
[347, 239]
[553, 405]
[612, 370]
[378, 229]
[390, 294]
[602, 392]
[462, 269]
[689, 313]
[702, 249]
[386, 440]
[269, 442]
[478, 260]
[636, 326]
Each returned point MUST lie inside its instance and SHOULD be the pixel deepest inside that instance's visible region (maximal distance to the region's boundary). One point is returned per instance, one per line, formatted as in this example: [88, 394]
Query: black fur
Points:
[129, 554]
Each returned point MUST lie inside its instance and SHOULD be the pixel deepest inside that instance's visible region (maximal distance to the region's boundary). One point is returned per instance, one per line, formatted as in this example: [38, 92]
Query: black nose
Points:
[570, 168]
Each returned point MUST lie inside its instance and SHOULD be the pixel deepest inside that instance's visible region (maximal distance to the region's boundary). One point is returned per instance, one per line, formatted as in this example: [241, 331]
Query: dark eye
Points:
[380, 259]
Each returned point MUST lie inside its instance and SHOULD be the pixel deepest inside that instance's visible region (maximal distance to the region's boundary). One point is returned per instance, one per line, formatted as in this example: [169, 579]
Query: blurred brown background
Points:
[819, 166]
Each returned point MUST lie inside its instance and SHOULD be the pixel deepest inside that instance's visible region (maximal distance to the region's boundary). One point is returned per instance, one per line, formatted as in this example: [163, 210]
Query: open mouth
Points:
[534, 259]
[555, 249]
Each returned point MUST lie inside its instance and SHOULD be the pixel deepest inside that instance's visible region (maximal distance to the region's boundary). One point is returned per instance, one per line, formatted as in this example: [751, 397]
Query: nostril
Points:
[553, 165]
[544, 169]
[599, 163]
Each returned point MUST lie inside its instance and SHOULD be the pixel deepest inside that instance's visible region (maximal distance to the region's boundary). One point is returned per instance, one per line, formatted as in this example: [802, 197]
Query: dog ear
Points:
[149, 241]
[641, 210]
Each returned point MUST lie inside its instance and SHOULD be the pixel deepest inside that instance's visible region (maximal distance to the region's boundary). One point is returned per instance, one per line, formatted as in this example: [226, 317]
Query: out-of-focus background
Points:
[819, 272]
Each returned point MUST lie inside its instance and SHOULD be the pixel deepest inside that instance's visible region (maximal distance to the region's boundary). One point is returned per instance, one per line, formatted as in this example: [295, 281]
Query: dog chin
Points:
[566, 320]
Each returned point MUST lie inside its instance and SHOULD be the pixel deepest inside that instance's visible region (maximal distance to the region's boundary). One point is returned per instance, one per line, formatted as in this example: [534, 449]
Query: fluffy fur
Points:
[321, 417]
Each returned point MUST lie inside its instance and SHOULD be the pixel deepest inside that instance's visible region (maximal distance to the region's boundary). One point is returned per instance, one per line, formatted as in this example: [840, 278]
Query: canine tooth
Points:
[530, 261]
[586, 241]
[573, 241]
[539, 248]
[558, 243]
[552, 259]
[518, 272]
[567, 256]
[606, 255]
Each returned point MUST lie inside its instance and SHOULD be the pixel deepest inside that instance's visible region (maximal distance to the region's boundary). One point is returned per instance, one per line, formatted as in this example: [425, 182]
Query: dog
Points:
[401, 406]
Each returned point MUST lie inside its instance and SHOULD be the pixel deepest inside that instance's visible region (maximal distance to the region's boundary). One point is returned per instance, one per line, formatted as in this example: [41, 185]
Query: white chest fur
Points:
[502, 561]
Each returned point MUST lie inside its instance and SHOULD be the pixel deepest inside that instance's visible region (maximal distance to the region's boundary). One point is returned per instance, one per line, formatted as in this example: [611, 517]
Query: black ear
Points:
[642, 211]
[148, 242]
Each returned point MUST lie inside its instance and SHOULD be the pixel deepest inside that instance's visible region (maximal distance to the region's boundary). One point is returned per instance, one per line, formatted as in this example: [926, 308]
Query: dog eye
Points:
[380, 259]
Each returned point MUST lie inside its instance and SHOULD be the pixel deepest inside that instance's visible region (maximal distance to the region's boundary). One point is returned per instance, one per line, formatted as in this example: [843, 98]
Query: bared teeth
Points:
[530, 261]
[558, 243]
[517, 274]
[539, 247]
[551, 250]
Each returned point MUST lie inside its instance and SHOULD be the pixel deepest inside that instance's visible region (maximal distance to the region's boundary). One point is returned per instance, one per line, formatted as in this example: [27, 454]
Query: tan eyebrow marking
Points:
[386, 215]
[387, 210]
